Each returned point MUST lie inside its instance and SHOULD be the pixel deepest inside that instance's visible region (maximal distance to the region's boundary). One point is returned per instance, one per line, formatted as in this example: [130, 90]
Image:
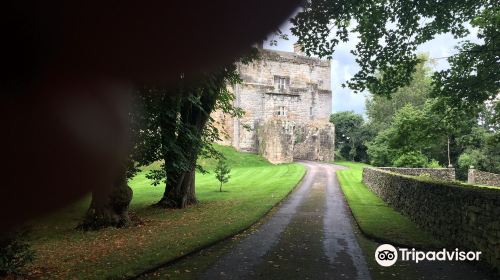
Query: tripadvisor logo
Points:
[387, 255]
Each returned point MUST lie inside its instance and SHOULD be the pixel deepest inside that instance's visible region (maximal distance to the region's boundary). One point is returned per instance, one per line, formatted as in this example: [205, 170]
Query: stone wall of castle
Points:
[280, 87]
[314, 141]
[275, 140]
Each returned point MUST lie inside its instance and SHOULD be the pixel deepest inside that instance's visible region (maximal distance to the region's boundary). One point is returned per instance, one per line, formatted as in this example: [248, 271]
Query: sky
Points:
[344, 66]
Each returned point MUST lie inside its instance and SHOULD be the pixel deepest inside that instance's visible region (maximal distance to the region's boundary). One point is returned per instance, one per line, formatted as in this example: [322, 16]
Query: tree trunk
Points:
[179, 190]
[220, 188]
[109, 207]
[449, 158]
[180, 184]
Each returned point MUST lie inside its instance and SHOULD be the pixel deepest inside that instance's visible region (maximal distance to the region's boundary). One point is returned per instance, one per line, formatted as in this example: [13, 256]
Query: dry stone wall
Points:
[478, 177]
[463, 215]
[443, 174]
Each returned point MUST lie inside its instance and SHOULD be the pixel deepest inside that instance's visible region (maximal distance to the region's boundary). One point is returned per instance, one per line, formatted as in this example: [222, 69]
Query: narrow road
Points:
[309, 237]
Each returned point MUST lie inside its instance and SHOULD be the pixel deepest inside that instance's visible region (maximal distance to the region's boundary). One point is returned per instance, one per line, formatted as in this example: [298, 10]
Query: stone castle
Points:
[287, 101]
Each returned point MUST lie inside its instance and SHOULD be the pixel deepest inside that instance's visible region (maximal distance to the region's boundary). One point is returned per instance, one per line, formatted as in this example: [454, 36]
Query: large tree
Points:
[175, 129]
[412, 133]
[474, 73]
[416, 135]
[350, 135]
[381, 109]
[389, 32]
[172, 125]
[109, 206]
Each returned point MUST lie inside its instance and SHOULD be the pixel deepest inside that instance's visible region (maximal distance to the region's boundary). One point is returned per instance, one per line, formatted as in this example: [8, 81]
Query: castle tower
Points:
[287, 90]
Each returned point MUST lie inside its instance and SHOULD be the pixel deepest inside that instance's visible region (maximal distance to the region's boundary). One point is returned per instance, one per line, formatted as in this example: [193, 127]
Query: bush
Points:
[411, 159]
[465, 160]
[379, 151]
[433, 164]
[15, 253]
[338, 156]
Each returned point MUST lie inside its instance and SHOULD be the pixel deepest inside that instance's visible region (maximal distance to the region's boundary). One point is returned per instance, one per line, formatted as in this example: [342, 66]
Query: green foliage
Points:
[345, 123]
[350, 135]
[433, 164]
[408, 122]
[338, 155]
[379, 151]
[424, 132]
[411, 159]
[15, 253]
[467, 160]
[172, 124]
[388, 33]
[474, 73]
[486, 157]
[180, 128]
[413, 138]
[493, 116]
[402, 143]
[412, 129]
[381, 109]
[222, 171]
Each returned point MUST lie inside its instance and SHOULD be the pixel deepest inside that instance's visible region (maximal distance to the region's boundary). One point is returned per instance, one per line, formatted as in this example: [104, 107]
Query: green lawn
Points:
[254, 188]
[375, 218]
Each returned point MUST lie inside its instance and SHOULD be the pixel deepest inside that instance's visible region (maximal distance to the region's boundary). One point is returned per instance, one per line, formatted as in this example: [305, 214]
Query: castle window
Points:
[281, 82]
[281, 111]
[310, 111]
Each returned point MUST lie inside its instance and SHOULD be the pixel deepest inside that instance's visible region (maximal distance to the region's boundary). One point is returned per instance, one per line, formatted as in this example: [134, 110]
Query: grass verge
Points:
[254, 188]
[375, 218]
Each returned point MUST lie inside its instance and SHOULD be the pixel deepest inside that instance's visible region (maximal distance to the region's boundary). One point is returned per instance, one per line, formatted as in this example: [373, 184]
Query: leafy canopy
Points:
[175, 129]
[389, 32]
[474, 73]
[381, 109]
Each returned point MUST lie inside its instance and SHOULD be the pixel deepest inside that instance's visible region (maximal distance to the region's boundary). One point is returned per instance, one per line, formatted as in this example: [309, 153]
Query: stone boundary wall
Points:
[462, 215]
[442, 174]
[478, 177]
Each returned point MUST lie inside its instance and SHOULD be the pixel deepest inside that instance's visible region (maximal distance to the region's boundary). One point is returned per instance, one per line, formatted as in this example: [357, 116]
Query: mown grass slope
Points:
[375, 218]
[254, 188]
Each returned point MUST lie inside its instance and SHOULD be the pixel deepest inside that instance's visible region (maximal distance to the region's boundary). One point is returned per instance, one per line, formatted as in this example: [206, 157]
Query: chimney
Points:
[297, 48]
